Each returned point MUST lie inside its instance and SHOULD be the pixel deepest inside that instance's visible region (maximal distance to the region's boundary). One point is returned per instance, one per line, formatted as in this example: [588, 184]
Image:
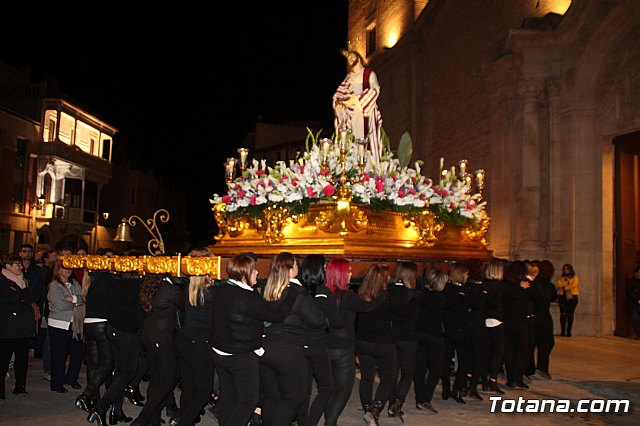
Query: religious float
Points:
[335, 200]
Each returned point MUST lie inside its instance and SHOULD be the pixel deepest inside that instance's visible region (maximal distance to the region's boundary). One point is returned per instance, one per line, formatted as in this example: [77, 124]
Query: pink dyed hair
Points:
[337, 275]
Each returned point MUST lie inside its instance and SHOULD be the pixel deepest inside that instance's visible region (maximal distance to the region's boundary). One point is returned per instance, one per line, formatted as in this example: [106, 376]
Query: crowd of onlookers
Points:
[282, 348]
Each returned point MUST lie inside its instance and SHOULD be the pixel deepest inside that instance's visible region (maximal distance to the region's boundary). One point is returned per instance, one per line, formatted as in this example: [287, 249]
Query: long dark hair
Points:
[311, 274]
[148, 289]
[515, 271]
[571, 273]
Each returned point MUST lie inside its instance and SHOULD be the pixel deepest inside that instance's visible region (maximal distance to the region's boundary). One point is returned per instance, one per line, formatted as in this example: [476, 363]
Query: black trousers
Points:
[126, 347]
[196, 376]
[343, 370]
[567, 310]
[520, 338]
[162, 361]
[496, 349]
[406, 351]
[544, 343]
[377, 358]
[284, 376]
[429, 358]
[20, 348]
[239, 387]
[456, 341]
[62, 345]
[99, 357]
[480, 348]
[318, 368]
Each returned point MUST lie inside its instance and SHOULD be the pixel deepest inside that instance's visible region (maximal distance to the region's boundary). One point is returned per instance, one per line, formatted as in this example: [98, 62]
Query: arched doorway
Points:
[627, 224]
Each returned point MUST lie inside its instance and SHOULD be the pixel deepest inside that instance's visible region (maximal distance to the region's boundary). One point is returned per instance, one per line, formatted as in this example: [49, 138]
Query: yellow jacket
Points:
[568, 284]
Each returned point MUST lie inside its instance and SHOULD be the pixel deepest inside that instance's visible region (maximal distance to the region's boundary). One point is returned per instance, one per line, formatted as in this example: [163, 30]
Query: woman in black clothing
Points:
[194, 349]
[375, 344]
[124, 318]
[17, 323]
[544, 293]
[403, 323]
[161, 299]
[236, 333]
[519, 321]
[430, 338]
[457, 332]
[316, 352]
[494, 317]
[479, 337]
[341, 309]
[99, 357]
[283, 367]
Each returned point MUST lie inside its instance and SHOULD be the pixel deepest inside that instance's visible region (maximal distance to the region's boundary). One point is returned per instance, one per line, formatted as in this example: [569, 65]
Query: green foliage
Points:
[386, 142]
[405, 150]
[311, 138]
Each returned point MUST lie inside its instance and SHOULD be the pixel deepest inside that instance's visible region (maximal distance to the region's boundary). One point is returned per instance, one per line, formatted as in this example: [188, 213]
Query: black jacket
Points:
[125, 312]
[17, 318]
[196, 324]
[375, 326]
[404, 312]
[99, 296]
[431, 305]
[494, 299]
[160, 324]
[238, 316]
[341, 310]
[304, 319]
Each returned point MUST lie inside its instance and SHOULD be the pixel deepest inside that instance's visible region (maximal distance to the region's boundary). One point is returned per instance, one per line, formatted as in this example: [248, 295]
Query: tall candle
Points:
[480, 178]
[463, 167]
[244, 153]
[441, 164]
[326, 147]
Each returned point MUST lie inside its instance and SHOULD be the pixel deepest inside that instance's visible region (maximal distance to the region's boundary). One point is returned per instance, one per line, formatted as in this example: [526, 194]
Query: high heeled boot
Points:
[133, 395]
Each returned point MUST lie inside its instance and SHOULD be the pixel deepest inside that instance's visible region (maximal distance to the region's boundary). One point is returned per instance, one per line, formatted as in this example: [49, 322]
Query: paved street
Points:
[582, 368]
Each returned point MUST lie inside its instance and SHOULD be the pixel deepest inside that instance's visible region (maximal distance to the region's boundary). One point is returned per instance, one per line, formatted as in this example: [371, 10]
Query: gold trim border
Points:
[176, 266]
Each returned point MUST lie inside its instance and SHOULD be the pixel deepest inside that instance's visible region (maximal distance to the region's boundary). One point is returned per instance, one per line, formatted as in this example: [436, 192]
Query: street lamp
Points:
[96, 244]
[123, 232]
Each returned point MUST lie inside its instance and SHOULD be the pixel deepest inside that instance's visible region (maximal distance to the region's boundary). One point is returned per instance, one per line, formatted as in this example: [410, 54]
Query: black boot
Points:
[115, 417]
[97, 417]
[493, 387]
[132, 394]
[85, 403]
[371, 416]
[457, 395]
[395, 408]
[485, 384]
[473, 393]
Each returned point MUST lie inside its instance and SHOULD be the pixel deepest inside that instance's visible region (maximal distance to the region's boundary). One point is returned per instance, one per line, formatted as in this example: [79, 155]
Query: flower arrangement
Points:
[315, 176]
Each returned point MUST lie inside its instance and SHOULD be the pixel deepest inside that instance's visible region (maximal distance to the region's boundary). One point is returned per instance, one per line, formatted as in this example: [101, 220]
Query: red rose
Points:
[329, 190]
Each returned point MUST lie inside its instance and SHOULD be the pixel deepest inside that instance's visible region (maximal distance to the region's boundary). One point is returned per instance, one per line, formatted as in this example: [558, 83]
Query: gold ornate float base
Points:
[353, 231]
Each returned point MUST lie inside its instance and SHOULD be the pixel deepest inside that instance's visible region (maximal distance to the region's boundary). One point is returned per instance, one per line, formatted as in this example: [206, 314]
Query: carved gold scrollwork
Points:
[227, 225]
[425, 224]
[342, 219]
[272, 224]
[164, 265]
[478, 233]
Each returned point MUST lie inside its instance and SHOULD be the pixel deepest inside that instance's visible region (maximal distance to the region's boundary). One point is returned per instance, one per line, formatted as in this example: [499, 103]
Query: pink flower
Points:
[283, 178]
[412, 191]
[401, 193]
[226, 198]
[294, 182]
[237, 187]
[452, 206]
[329, 190]
[366, 177]
[379, 185]
[252, 200]
[422, 197]
[469, 206]
[259, 172]
[242, 193]
[311, 193]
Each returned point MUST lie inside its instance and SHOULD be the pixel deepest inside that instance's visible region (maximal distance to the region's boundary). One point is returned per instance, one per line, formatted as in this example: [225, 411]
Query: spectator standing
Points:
[568, 293]
[17, 323]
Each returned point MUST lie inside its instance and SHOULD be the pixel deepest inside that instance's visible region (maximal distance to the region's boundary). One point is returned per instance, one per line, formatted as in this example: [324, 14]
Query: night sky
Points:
[184, 81]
